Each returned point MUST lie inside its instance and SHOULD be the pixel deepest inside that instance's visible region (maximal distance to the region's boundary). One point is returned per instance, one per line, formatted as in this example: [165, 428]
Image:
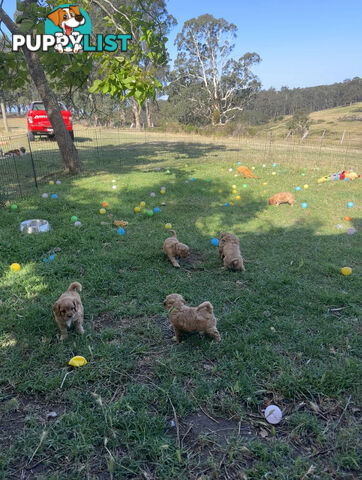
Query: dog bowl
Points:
[34, 226]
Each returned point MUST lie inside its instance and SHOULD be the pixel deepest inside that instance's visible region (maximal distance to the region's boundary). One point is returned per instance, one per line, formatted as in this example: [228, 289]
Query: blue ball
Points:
[304, 205]
[215, 242]
[274, 165]
[350, 204]
[346, 178]
[226, 204]
[157, 210]
[51, 257]
[192, 179]
[297, 189]
[121, 231]
[239, 163]
[54, 195]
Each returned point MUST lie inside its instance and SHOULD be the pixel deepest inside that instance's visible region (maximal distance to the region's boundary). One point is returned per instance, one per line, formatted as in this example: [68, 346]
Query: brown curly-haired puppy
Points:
[229, 252]
[190, 319]
[173, 248]
[68, 309]
[283, 197]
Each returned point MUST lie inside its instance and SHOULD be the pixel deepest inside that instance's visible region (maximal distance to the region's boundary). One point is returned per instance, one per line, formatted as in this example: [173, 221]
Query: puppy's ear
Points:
[76, 304]
[55, 17]
[75, 9]
[56, 309]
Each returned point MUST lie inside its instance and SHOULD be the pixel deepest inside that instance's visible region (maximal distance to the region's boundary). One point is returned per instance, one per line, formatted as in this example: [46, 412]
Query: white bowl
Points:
[34, 226]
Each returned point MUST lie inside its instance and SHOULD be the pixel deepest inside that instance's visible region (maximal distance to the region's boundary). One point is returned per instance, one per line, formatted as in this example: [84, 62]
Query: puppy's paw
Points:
[63, 337]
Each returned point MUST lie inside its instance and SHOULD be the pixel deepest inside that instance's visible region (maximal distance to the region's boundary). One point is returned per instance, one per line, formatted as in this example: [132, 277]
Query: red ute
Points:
[38, 121]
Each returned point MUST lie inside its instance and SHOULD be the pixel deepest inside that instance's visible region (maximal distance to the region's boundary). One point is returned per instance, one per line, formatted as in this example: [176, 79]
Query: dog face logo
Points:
[68, 23]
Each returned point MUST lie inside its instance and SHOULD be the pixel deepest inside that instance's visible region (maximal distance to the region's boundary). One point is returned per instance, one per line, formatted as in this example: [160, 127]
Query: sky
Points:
[302, 43]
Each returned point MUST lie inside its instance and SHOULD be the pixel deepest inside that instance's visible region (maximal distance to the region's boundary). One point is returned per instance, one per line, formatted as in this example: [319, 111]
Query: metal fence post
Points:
[33, 165]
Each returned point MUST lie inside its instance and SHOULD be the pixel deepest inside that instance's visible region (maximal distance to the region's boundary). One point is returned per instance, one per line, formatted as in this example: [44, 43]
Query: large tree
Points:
[214, 84]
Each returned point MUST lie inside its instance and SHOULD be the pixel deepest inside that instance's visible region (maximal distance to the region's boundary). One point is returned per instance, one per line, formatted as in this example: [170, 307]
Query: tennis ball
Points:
[346, 271]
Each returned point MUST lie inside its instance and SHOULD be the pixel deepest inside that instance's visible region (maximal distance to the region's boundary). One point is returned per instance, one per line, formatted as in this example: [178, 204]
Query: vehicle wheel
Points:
[51, 138]
[31, 136]
[71, 133]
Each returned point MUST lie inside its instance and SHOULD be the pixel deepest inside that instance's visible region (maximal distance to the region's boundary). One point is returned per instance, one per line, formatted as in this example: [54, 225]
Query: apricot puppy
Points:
[68, 309]
[191, 319]
[282, 197]
[173, 248]
[229, 252]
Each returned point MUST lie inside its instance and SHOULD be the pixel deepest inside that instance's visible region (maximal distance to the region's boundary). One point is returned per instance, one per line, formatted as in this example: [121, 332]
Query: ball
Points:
[157, 210]
[347, 219]
[192, 179]
[303, 174]
[265, 184]
[273, 414]
[253, 168]
[152, 194]
[162, 192]
[351, 231]
[339, 226]
[58, 182]
[245, 185]
[13, 206]
[234, 192]
[121, 231]
[274, 173]
[149, 213]
[346, 271]
[230, 169]
[163, 188]
[168, 172]
[233, 187]
[105, 204]
[114, 187]
[77, 224]
[215, 242]
[304, 205]
[51, 182]
[219, 191]
[73, 218]
[102, 211]
[239, 163]
[237, 197]
[168, 226]
[136, 209]
[297, 189]
[274, 165]
[305, 187]
[350, 204]
[45, 195]
[15, 267]
[54, 195]
[263, 165]
[226, 204]
[142, 204]
[113, 181]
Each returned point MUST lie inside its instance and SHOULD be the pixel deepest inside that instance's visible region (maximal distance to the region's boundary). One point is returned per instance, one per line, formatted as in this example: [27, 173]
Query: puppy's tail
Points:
[206, 306]
[74, 286]
[173, 233]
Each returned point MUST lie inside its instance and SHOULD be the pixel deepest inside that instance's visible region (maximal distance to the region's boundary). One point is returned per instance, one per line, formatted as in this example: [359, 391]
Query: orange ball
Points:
[105, 204]
[347, 219]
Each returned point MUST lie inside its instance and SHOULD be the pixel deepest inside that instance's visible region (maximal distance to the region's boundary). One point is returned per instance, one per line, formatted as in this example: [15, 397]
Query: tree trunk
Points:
[136, 110]
[67, 148]
[148, 114]
[5, 120]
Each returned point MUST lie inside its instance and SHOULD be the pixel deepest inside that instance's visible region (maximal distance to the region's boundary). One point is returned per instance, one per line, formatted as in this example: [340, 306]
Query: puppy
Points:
[283, 197]
[173, 248]
[17, 152]
[68, 18]
[68, 309]
[190, 319]
[229, 252]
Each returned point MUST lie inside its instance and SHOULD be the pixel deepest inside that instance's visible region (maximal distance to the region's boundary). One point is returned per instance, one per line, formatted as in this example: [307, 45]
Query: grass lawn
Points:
[144, 407]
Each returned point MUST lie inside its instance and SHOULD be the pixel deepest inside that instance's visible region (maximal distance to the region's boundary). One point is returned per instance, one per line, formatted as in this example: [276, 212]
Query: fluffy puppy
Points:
[190, 319]
[68, 309]
[17, 152]
[283, 197]
[229, 252]
[173, 248]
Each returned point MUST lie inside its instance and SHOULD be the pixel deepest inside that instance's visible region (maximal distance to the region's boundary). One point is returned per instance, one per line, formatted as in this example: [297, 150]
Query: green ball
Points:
[149, 213]
[73, 218]
[13, 207]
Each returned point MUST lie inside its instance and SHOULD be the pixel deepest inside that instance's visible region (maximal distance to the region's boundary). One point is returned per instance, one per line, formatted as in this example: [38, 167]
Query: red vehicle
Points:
[39, 124]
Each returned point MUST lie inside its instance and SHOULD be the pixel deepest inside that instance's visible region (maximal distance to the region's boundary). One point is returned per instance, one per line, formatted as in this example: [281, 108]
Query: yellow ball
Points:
[306, 186]
[136, 209]
[346, 271]
[265, 183]
[102, 211]
[234, 192]
[51, 182]
[237, 197]
[15, 267]
[231, 204]
[274, 173]
[219, 191]
[168, 226]
[142, 204]
[253, 168]
[233, 186]
[162, 192]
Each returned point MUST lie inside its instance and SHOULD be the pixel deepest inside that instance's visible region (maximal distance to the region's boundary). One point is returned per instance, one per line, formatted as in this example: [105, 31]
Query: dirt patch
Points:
[193, 261]
[106, 320]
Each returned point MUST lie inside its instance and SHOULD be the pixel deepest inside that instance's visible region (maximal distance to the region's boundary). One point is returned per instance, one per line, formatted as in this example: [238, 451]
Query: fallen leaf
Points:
[263, 433]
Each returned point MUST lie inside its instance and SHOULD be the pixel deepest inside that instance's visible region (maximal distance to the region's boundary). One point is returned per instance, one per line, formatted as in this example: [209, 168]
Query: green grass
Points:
[283, 342]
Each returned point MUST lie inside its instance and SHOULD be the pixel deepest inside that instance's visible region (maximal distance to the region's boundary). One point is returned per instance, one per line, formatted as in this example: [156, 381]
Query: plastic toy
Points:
[233, 187]
[230, 169]
[51, 182]
[351, 231]
[120, 223]
[273, 414]
[142, 204]
[58, 182]
[265, 184]
[15, 267]
[346, 271]
[274, 165]
[102, 211]
[347, 219]
[219, 191]
[163, 188]
[152, 194]
[157, 210]
[45, 195]
[274, 173]
[297, 189]
[226, 204]
[105, 204]
[77, 361]
[192, 179]
[168, 226]
[77, 224]
[113, 181]
[350, 204]
[136, 209]
[245, 185]
[121, 231]
[149, 213]
[73, 218]
[162, 192]
[237, 197]
[54, 196]
[114, 187]
[306, 187]
[215, 242]
[304, 205]
[234, 192]
[13, 206]
[246, 172]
